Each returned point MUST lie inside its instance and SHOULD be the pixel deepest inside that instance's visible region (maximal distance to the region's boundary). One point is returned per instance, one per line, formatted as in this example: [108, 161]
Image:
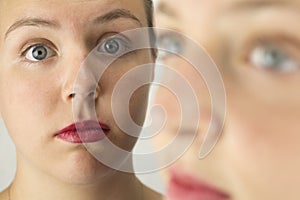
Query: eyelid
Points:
[288, 45]
[28, 46]
[126, 47]
[170, 35]
[35, 42]
[111, 35]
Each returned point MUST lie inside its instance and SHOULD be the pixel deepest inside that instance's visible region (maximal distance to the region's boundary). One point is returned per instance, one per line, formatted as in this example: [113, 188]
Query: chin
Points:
[82, 169]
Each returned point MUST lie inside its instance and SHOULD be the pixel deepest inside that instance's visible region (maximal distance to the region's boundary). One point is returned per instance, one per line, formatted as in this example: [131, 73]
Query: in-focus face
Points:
[42, 48]
[256, 47]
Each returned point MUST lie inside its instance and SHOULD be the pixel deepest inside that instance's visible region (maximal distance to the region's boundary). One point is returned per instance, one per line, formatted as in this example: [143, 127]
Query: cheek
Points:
[33, 97]
[25, 102]
[263, 108]
[169, 103]
[267, 125]
[124, 83]
[138, 105]
[262, 134]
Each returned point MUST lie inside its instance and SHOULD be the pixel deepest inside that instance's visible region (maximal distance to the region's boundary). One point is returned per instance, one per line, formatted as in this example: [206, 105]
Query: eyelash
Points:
[26, 49]
[122, 39]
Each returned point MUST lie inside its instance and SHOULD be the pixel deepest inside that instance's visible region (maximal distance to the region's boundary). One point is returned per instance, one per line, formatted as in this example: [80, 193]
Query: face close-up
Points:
[255, 45]
[42, 47]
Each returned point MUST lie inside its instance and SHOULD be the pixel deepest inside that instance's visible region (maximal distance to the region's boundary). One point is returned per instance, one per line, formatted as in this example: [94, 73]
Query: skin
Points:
[36, 98]
[257, 156]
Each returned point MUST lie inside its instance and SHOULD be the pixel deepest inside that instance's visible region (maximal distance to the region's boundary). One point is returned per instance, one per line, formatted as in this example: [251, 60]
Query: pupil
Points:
[39, 53]
[112, 46]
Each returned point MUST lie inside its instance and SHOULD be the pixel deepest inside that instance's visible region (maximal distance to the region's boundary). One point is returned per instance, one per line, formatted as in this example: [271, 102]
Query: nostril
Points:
[93, 94]
[72, 95]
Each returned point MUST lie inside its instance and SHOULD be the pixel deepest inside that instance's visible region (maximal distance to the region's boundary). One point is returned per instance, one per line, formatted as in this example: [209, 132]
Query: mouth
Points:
[185, 186]
[83, 132]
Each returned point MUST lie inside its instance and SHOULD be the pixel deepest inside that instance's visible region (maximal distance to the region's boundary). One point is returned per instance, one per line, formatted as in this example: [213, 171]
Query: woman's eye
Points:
[169, 45]
[39, 52]
[113, 46]
[273, 58]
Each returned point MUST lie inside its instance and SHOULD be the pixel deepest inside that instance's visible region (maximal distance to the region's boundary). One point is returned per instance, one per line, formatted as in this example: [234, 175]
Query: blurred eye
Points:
[38, 52]
[113, 46]
[171, 45]
[271, 57]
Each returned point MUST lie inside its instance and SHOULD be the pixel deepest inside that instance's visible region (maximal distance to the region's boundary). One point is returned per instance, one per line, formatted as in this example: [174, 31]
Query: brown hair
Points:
[149, 13]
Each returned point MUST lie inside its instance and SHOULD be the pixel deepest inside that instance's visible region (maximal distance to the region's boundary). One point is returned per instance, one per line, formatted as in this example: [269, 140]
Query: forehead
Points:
[196, 7]
[193, 14]
[67, 10]
[59, 3]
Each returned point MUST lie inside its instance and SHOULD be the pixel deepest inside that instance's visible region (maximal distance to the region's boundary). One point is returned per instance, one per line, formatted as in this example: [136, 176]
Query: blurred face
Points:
[255, 45]
[42, 49]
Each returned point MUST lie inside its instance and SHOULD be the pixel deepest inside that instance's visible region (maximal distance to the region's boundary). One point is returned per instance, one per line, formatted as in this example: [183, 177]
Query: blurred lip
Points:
[185, 186]
[83, 132]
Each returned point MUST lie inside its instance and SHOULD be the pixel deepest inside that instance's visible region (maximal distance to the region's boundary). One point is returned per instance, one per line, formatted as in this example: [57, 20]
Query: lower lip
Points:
[185, 186]
[83, 136]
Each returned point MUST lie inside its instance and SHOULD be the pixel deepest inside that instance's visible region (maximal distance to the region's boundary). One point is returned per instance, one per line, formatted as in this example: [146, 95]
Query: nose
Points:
[80, 86]
[79, 77]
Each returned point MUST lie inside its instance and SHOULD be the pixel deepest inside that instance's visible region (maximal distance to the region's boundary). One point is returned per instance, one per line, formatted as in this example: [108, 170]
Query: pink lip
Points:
[83, 132]
[185, 186]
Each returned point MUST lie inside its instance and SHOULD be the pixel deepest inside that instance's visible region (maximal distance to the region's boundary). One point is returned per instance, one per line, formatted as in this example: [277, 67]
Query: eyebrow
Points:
[165, 9]
[257, 4]
[31, 22]
[38, 22]
[115, 14]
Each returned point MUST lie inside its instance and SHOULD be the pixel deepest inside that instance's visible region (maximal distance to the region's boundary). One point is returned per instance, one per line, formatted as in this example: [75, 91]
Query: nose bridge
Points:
[79, 79]
[85, 84]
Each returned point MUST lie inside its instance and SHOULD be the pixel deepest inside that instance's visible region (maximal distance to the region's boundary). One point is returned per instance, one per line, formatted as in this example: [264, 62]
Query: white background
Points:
[7, 158]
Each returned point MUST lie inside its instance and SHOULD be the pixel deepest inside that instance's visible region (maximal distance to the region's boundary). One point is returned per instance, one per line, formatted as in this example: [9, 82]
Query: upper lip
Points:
[189, 183]
[84, 125]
